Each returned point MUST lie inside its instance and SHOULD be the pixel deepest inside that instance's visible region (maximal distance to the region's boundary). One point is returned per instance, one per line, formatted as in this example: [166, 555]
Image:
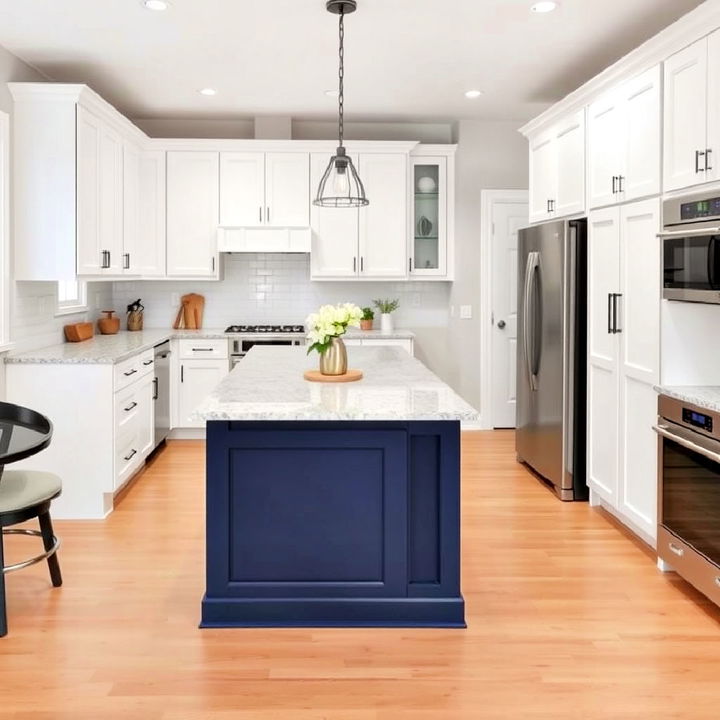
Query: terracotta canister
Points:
[108, 325]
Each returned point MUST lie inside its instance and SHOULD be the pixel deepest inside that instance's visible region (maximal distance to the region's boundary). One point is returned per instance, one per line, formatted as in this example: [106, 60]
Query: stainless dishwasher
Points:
[161, 392]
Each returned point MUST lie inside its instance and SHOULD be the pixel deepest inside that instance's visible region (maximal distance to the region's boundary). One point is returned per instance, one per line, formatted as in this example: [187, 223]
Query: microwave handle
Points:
[663, 431]
[689, 233]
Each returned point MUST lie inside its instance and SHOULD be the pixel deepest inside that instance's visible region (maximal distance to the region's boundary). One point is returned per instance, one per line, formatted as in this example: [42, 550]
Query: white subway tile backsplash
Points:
[276, 288]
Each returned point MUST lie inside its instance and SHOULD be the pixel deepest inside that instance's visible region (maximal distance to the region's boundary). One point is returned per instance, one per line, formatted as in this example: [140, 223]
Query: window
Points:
[4, 229]
[71, 297]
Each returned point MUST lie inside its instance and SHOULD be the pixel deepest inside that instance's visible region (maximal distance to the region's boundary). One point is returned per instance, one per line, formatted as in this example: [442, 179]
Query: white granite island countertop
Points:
[704, 396]
[269, 385]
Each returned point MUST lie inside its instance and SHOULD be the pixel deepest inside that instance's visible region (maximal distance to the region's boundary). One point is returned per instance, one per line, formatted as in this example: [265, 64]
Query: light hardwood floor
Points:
[568, 618]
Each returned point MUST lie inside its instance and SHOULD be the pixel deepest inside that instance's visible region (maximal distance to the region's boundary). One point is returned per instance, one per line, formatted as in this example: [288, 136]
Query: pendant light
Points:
[340, 185]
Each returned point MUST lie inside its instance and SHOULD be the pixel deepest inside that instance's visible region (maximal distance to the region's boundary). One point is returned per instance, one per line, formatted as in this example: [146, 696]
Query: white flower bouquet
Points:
[330, 321]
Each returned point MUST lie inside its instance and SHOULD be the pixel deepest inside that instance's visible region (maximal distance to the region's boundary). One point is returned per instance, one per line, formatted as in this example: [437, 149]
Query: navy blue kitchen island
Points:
[333, 505]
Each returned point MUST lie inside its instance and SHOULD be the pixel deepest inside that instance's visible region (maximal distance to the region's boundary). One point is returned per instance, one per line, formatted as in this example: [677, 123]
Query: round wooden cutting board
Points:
[317, 376]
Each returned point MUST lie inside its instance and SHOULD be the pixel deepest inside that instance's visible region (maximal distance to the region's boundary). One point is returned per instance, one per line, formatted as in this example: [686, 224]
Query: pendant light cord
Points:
[341, 76]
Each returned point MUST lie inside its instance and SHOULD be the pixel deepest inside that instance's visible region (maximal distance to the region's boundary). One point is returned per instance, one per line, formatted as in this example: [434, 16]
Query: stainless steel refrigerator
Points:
[552, 354]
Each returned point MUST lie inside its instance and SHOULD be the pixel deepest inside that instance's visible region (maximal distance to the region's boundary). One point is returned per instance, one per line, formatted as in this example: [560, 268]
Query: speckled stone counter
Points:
[109, 349]
[704, 396]
[269, 385]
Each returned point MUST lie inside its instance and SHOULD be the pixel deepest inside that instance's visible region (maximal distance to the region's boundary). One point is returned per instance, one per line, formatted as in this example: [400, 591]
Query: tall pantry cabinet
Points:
[624, 291]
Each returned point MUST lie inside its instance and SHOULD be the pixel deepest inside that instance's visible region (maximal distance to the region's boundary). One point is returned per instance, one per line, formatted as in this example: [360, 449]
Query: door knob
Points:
[501, 324]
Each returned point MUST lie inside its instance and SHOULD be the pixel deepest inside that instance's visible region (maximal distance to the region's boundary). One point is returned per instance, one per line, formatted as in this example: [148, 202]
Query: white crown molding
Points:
[434, 149]
[248, 145]
[697, 24]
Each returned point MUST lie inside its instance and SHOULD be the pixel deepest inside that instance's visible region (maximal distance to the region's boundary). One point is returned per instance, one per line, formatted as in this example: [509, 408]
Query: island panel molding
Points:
[333, 524]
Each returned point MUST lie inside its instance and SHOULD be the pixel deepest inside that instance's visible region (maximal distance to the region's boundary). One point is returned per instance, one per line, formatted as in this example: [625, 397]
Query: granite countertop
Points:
[269, 385]
[109, 349]
[704, 396]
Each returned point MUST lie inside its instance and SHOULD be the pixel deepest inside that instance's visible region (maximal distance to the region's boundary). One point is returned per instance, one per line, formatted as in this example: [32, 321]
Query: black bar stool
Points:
[25, 494]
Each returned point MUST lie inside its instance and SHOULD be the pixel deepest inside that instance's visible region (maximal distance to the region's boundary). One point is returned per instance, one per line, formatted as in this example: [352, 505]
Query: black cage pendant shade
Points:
[340, 185]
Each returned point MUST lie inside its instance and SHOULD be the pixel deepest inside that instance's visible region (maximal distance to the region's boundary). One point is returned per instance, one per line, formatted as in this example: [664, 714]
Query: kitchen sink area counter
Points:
[333, 504]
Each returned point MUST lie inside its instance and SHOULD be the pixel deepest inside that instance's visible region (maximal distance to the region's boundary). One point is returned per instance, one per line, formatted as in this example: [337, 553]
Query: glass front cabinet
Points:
[431, 227]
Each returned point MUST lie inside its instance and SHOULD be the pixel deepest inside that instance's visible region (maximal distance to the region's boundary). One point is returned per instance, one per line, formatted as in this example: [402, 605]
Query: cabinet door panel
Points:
[685, 109]
[334, 231]
[89, 252]
[111, 198]
[242, 189]
[150, 248]
[131, 208]
[641, 288]
[192, 213]
[146, 417]
[713, 116]
[607, 149]
[602, 396]
[642, 100]
[570, 144]
[383, 223]
[287, 189]
[197, 380]
[543, 176]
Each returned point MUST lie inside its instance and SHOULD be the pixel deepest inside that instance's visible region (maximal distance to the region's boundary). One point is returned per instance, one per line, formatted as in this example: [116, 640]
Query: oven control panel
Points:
[697, 419]
[698, 209]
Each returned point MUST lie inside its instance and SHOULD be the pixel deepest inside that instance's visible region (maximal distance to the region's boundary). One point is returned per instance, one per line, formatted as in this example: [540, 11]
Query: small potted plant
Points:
[386, 307]
[325, 330]
[366, 322]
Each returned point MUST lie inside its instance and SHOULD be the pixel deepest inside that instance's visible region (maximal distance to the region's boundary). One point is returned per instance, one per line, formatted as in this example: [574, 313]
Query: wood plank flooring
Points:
[568, 618]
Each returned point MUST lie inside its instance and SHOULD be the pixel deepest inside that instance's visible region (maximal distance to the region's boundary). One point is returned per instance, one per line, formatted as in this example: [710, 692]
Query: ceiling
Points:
[405, 59]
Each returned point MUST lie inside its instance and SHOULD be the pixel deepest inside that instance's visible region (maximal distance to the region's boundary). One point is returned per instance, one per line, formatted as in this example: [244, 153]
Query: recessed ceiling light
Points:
[472, 94]
[208, 91]
[332, 93]
[155, 4]
[545, 6]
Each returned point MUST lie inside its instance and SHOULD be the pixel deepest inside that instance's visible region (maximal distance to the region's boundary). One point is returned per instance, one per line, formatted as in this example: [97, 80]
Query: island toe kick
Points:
[324, 523]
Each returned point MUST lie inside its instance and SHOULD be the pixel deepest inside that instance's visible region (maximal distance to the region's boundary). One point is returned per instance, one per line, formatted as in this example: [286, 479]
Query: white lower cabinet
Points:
[624, 290]
[202, 365]
[405, 343]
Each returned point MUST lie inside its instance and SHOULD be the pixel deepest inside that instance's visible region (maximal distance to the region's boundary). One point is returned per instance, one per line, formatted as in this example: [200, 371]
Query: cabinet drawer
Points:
[127, 409]
[127, 457]
[132, 369]
[199, 349]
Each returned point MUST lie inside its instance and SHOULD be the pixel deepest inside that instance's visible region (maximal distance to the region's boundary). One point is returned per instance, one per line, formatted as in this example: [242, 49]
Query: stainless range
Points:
[251, 335]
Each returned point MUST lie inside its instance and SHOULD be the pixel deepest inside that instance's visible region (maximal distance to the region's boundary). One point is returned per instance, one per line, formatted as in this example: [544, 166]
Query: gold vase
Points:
[334, 360]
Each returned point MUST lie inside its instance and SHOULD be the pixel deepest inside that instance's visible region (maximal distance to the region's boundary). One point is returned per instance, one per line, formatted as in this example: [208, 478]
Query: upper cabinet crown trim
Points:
[693, 26]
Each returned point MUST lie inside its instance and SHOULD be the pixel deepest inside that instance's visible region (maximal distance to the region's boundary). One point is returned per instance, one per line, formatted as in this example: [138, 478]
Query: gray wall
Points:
[491, 155]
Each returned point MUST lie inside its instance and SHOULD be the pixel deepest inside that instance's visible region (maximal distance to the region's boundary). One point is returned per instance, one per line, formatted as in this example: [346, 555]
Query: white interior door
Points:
[507, 219]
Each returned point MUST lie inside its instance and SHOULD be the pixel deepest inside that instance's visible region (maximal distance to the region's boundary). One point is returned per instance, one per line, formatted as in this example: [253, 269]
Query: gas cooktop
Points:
[284, 329]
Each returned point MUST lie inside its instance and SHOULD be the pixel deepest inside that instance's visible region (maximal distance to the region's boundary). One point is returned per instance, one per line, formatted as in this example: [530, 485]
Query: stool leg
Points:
[3, 611]
[46, 529]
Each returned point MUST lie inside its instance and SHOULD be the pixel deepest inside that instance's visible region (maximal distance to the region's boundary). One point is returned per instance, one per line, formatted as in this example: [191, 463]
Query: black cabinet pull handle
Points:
[126, 261]
[616, 328]
[155, 388]
[130, 407]
[148, 362]
[213, 264]
[105, 259]
[609, 314]
[354, 264]
[698, 155]
[410, 264]
[132, 372]
[182, 373]
[621, 180]
[267, 214]
[362, 264]
[202, 349]
[614, 184]
[260, 213]
[708, 155]
[131, 455]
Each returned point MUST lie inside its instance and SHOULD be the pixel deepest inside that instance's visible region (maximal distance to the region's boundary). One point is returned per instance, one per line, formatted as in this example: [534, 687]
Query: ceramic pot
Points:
[108, 325]
[426, 185]
[334, 360]
[366, 324]
[386, 323]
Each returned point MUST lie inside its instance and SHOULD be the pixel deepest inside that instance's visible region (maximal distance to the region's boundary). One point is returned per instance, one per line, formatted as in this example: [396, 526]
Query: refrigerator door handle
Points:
[530, 331]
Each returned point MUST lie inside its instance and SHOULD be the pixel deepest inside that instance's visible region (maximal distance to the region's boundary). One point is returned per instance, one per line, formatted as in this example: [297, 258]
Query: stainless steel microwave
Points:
[691, 248]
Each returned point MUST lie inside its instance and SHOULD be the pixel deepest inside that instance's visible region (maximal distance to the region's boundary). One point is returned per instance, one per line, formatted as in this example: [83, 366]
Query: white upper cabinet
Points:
[131, 207]
[242, 189]
[287, 189]
[149, 250]
[111, 199]
[264, 189]
[192, 213]
[543, 176]
[383, 223]
[686, 111]
[557, 169]
[624, 142]
[335, 231]
[712, 158]
[90, 256]
[570, 184]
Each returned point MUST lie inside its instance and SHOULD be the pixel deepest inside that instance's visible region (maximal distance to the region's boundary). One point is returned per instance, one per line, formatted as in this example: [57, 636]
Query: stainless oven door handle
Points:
[662, 430]
[695, 232]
